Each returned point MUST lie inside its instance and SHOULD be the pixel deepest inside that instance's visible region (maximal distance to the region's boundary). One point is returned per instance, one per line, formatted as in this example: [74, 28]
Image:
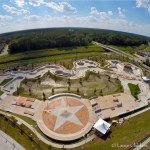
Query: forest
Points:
[68, 37]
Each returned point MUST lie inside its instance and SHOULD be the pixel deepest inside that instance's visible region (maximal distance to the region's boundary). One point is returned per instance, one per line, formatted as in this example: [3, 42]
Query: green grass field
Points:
[22, 135]
[1, 92]
[129, 132]
[5, 81]
[133, 49]
[134, 89]
[49, 55]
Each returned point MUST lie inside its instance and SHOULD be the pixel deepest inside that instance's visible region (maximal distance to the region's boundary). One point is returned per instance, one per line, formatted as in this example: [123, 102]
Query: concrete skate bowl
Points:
[128, 68]
[62, 73]
[66, 117]
[80, 63]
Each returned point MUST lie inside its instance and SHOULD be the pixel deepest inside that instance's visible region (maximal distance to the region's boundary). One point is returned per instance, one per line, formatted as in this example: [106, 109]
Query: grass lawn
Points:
[130, 131]
[5, 81]
[48, 55]
[1, 92]
[22, 135]
[133, 49]
[134, 89]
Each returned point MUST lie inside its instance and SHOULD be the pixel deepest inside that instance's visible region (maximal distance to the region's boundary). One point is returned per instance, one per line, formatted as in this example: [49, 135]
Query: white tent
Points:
[146, 78]
[102, 126]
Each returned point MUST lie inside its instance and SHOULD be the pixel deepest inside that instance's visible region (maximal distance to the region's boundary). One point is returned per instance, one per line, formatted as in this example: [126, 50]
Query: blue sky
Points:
[123, 15]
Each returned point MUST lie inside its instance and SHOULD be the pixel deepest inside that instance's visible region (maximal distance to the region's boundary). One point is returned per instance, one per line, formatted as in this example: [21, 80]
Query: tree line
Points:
[69, 37]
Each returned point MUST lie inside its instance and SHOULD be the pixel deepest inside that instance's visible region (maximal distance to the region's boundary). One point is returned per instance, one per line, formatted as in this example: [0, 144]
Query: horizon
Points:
[125, 16]
[26, 30]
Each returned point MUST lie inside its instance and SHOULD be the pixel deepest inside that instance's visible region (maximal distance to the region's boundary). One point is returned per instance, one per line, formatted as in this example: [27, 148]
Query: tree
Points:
[25, 81]
[68, 88]
[147, 62]
[53, 92]
[39, 80]
[30, 91]
[18, 90]
[69, 82]
[109, 78]
[78, 91]
[80, 81]
[13, 120]
[95, 90]
[44, 96]
[101, 92]
[21, 129]
[31, 137]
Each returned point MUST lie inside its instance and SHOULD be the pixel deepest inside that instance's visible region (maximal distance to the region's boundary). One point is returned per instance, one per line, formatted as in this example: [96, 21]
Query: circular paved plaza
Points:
[66, 118]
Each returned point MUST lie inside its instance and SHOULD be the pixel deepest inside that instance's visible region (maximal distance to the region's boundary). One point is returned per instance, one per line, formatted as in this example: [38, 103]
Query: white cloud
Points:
[121, 12]
[24, 11]
[11, 10]
[34, 21]
[61, 7]
[96, 19]
[19, 3]
[35, 2]
[143, 3]
[15, 11]
[4, 18]
[32, 18]
[101, 14]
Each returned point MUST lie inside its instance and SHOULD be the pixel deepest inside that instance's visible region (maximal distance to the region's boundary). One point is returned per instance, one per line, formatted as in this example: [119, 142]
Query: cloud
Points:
[15, 11]
[24, 11]
[101, 14]
[32, 18]
[4, 18]
[11, 10]
[35, 2]
[121, 12]
[143, 3]
[19, 3]
[91, 21]
[61, 7]
[95, 19]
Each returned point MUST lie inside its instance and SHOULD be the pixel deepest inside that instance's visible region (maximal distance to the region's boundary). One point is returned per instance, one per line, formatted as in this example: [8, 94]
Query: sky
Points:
[122, 15]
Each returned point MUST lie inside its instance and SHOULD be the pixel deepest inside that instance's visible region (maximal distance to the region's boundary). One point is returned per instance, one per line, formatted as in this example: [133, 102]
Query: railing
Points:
[63, 94]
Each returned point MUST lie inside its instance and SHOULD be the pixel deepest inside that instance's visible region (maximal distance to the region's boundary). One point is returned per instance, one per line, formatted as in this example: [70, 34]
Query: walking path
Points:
[143, 144]
[7, 143]
[137, 113]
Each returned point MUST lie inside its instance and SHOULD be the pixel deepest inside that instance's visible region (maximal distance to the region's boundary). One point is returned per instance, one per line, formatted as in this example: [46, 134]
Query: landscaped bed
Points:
[5, 81]
[92, 84]
[134, 89]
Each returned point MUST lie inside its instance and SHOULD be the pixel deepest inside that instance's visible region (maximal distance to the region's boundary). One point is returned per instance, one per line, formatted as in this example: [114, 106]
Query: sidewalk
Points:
[7, 143]
[143, 144]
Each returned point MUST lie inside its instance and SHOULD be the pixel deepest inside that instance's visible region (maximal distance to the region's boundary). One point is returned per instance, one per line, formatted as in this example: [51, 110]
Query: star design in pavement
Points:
[64, 113]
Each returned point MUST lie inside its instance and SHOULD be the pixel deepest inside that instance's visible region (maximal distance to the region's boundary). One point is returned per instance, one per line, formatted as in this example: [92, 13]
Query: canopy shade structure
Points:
[102, 126]
[146, 78]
